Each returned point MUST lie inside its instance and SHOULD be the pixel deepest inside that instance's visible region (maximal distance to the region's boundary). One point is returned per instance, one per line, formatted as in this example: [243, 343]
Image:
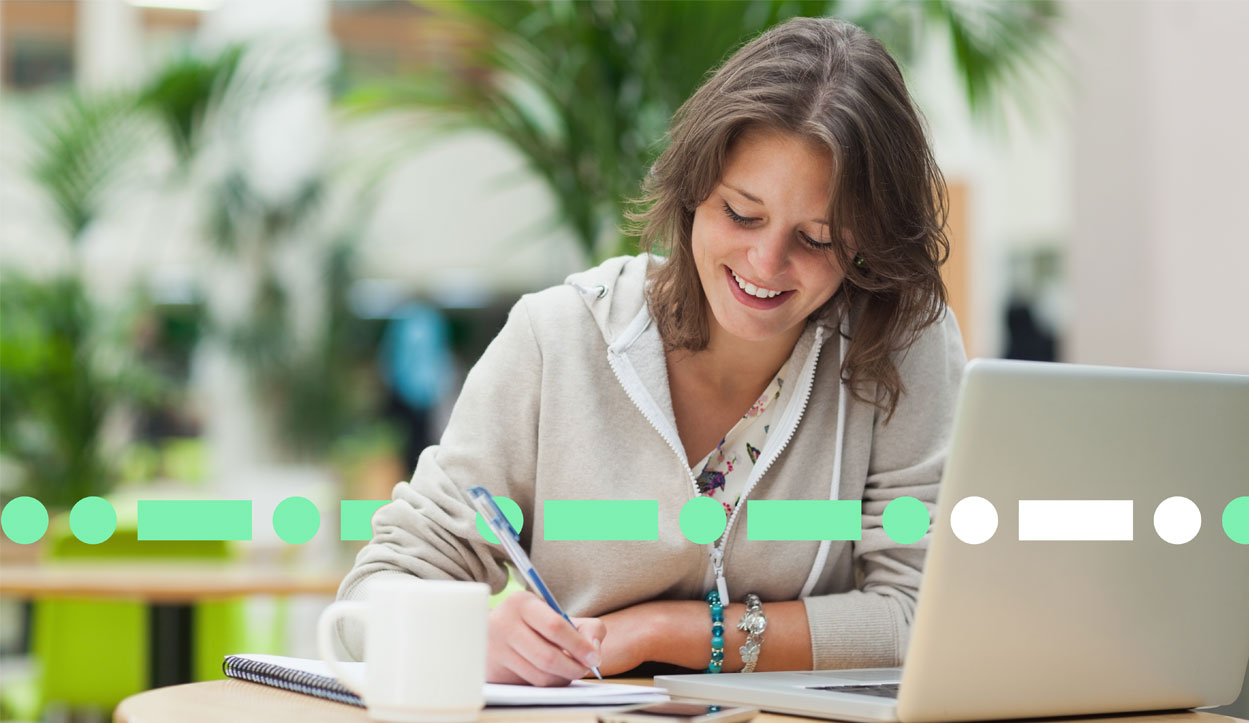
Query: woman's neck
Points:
[732, 365]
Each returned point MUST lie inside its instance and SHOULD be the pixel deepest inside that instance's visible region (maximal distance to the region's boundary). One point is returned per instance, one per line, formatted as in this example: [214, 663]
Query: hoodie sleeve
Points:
[429, 527]
[870, 626]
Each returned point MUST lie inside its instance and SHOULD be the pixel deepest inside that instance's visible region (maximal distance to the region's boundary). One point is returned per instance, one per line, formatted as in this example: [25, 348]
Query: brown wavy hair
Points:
[827, 81]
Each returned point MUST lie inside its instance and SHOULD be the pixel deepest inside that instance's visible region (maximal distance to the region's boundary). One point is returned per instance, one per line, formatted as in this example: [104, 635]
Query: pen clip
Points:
[492, 513]
[501, 523]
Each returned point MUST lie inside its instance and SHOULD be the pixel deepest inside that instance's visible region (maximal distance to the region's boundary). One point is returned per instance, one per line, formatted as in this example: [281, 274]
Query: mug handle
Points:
[325, 640]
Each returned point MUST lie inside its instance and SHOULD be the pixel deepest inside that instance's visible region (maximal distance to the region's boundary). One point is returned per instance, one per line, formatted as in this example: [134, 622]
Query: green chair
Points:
[94, 653]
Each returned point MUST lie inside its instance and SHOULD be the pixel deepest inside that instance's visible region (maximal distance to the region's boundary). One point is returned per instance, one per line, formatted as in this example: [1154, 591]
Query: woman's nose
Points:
[769, 255]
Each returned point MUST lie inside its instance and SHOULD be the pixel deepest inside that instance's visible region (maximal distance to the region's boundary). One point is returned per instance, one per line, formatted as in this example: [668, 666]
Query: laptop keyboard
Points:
[885, 690]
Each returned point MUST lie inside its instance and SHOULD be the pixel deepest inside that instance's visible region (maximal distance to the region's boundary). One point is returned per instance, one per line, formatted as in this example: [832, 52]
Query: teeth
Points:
[752, 289]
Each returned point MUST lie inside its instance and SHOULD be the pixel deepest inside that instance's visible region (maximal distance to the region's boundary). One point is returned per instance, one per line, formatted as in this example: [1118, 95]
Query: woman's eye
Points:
[737, 218]
[741, 220]
[813, 243]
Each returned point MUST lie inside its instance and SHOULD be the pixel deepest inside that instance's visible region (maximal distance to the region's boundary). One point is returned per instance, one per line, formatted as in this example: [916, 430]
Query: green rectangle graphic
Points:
[804, 519]
[195, 519]
[355, 518]
[601, 519]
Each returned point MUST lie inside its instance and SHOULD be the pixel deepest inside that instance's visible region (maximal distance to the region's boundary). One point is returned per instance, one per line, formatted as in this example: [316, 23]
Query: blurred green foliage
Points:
[584, 90]
[80, 151]
[317, 392]
[68, 361]
[65, 364]
[181, 93]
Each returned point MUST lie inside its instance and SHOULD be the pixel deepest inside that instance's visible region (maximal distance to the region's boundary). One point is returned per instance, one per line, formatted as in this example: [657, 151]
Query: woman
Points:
[793, 345]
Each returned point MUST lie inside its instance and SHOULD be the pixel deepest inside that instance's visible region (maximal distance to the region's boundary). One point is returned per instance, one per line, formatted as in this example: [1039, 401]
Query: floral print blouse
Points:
[722, 474]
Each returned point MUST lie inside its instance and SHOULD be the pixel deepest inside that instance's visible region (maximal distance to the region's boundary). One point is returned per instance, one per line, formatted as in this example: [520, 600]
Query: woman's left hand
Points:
[629, 632]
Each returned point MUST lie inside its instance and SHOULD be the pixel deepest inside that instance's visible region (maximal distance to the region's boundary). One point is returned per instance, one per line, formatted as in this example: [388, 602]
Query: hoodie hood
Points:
[614, 291]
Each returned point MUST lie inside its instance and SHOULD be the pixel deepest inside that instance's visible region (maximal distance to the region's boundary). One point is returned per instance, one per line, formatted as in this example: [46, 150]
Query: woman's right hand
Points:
[529, 643]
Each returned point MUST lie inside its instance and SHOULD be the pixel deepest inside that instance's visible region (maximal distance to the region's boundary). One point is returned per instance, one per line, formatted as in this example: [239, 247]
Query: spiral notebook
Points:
[313, 677]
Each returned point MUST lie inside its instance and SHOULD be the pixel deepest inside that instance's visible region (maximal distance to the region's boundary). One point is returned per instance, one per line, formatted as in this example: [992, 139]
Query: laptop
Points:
[1075, 605]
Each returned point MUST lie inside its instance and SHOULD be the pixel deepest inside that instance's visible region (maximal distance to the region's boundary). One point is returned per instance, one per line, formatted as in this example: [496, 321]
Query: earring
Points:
[859, 260]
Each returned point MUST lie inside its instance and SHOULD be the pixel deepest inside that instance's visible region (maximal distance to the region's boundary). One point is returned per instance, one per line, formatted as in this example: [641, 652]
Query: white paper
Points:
[579, 692]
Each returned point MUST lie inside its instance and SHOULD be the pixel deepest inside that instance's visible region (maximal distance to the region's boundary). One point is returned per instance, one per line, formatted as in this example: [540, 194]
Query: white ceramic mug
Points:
[424, 649]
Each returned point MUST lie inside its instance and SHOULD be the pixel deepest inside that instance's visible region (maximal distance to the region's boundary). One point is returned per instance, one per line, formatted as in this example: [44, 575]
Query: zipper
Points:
[808, 374]
[630, 393]
[717, 550]
[649, 415]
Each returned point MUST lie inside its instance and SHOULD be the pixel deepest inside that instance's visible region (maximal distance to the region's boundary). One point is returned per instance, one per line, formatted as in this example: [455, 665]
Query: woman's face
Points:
[757, 238]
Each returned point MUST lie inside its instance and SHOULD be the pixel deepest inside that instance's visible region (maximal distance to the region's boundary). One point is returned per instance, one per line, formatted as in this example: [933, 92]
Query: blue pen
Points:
[507, 535]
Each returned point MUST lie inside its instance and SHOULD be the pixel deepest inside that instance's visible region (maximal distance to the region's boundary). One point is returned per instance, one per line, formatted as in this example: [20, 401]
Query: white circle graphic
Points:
[1177, 520]
[974, 520]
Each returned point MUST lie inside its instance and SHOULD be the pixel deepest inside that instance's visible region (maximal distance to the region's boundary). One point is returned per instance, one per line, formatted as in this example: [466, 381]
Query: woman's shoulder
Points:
[931, 369]
[606, 297]
[940, 342]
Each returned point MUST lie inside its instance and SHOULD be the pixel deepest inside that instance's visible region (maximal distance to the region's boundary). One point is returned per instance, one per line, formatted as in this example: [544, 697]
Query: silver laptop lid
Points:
[1094, 612]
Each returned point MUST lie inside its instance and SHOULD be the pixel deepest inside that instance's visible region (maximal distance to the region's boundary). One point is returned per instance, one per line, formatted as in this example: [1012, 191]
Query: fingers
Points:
[531, 643]
[593, 628]
[508, 666]
[555, 629]
[540, 662]
[596, 630]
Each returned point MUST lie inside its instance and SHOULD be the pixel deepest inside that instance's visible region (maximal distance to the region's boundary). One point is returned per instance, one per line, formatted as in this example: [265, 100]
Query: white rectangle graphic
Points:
[1075, 520]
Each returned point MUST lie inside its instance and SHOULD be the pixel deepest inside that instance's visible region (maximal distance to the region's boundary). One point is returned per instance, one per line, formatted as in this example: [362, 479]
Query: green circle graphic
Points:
[93, 520]
[1235, 520]
[906, 520]
[296, 520]
[703, 520]
[511, 511]
[24, 520]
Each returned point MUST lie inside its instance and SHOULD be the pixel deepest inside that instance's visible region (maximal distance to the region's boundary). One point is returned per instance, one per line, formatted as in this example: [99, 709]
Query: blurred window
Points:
[388, 38]
[38, 42]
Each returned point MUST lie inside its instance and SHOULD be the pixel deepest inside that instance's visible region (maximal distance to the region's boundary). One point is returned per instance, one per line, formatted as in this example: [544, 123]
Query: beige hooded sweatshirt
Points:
[571, 402]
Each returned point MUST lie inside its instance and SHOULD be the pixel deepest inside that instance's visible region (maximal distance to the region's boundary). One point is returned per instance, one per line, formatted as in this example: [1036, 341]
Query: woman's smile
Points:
[754, 296]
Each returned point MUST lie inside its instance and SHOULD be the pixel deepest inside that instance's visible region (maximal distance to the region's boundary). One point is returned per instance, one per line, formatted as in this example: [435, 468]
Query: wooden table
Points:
[162, 582]
[242, 702]
[170, 592]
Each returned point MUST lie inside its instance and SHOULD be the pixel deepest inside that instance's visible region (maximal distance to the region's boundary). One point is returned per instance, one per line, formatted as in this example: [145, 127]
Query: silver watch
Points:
[753, 623]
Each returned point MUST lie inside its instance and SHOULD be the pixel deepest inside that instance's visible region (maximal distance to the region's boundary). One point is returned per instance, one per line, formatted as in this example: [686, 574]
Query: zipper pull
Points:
[717, 562]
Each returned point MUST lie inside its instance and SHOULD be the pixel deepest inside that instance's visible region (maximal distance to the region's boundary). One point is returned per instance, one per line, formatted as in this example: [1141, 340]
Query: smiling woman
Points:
[831, 99]
[791, 344]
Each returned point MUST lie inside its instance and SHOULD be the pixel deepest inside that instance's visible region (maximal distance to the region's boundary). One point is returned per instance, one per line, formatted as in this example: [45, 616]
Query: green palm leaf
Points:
[79, 150]
[182, 91]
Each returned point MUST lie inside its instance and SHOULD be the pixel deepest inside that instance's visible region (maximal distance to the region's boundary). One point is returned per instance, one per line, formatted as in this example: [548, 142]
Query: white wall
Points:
[1138, 170]
[1159, 245]
[1015, 168]
[462, 212]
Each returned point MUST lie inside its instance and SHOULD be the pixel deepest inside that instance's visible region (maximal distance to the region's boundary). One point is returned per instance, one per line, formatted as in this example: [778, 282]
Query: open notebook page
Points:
[579, 692]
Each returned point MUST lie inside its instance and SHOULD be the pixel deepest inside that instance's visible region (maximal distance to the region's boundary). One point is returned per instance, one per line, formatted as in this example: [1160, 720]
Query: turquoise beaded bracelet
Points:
[717, 632]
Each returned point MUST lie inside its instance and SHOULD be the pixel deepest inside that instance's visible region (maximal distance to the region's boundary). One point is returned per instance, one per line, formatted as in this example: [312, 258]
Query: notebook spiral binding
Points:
[296, 681]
